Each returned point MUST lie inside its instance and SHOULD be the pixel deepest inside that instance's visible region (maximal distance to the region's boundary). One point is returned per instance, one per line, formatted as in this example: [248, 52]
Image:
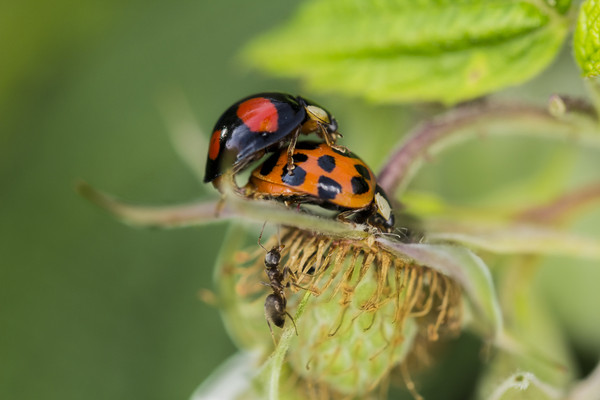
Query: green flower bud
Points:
[366, 309]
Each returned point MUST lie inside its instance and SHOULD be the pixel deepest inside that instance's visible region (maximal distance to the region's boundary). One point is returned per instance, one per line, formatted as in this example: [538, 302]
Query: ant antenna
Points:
[278, 237]
[260, 236]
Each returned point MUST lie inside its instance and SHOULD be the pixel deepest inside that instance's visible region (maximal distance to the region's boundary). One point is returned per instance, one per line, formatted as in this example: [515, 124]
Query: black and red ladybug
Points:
[326, 176]
[260, 123]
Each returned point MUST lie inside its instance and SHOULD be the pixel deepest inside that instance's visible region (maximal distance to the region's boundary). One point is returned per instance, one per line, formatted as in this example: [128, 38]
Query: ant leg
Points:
[313, 291]
[288, 273]
[271, 329]
[278, 237]
[293, 322]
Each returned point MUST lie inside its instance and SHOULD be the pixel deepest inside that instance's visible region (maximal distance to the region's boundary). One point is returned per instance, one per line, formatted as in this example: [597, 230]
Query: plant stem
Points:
[473, 121]
[275, 363]
[232, 207]
[174, 216]
[563, 207]
[593, 86]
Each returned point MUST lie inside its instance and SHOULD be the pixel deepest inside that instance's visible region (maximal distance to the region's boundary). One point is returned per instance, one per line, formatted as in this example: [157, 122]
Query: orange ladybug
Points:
[326, 176]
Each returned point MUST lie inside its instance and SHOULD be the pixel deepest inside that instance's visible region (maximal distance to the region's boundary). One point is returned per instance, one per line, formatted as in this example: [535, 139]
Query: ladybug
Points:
[260, 123]
[326, 176]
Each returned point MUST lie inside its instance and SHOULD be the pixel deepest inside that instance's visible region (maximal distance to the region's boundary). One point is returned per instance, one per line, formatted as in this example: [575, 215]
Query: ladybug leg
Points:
[330, 138]
[220, 206]
[345, 216]
[290, 151]
[227, 180]
[358, 215]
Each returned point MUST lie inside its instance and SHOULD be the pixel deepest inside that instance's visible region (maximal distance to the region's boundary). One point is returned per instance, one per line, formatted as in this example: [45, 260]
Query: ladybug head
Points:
[322, 117]
[332, 127]
[383, 216]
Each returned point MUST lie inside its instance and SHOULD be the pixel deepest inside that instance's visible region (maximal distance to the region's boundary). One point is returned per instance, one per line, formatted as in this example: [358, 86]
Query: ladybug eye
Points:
[318, 114]
[332, 127]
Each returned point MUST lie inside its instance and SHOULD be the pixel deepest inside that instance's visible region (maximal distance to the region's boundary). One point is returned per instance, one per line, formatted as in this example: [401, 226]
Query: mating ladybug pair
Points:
[297, 172]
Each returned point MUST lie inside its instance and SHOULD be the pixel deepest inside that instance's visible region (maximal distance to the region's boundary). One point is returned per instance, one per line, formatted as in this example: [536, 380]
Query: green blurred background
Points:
[93, 309]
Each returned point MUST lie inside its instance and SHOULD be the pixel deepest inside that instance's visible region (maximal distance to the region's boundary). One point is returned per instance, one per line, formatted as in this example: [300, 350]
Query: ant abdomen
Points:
[275, 309]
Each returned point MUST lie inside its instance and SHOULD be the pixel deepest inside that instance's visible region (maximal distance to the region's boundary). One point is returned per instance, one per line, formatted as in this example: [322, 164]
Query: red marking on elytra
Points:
[259, 115]
[215, 145]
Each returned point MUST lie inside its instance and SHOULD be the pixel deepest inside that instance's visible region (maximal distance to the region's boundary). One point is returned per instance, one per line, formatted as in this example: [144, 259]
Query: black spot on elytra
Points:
[299, 157]
[307, 145]
[363, 171]
[328, 189]
[327, 163]
[359, 185]
[267, 167]
[296, 178]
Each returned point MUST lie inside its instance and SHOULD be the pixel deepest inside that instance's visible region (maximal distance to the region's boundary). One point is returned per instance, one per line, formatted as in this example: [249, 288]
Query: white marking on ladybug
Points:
[383, 206]
[317, 114]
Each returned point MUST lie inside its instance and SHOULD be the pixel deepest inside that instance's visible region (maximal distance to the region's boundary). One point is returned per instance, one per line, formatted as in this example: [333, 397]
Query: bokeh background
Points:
[93, 309]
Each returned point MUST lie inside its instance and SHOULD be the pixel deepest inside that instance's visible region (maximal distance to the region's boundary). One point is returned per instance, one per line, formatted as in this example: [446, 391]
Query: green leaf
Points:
[587, 38]
[400, 50]
[541, 348]
[588, 387]
[562, 6]
[513, 238]
[245, 332]
[231, 379]
[186, 136]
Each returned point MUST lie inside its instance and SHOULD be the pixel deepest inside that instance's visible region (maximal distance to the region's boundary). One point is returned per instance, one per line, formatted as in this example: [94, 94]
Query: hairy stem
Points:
[275, 363]
[563, 207]
[476, 120]
[233, 207]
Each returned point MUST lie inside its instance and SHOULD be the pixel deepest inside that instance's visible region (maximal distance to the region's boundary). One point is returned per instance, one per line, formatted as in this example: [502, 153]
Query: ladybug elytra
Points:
[325, 176]
[260, 123]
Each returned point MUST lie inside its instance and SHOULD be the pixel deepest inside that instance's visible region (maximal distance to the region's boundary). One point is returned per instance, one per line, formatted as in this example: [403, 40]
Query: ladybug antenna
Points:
[260, 236]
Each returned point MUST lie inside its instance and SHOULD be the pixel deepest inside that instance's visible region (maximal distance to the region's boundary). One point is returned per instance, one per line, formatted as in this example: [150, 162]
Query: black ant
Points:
[275, 303]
